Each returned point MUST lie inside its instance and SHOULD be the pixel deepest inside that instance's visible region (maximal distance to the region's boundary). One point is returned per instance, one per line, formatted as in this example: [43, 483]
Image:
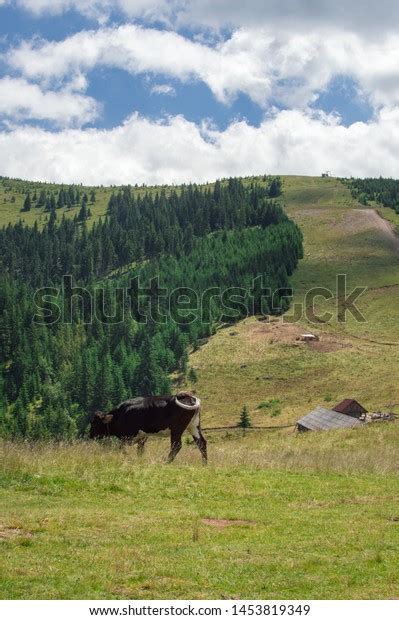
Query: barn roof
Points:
[322, 419]
[346, 404]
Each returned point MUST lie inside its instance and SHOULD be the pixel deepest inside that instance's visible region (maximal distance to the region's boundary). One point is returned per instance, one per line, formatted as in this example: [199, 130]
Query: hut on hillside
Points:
[350, 407]
[322, 419]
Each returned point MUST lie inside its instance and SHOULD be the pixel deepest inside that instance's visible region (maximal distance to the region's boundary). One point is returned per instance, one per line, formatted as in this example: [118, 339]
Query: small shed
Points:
[322, 419]
[350, 407]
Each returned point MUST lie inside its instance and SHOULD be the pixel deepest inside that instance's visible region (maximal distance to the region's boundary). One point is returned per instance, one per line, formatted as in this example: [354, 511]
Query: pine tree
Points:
[275, 188]
[245, 420]
[104, 385]
[83, 214]
[148, 374]
[61, 199]
[27, 203]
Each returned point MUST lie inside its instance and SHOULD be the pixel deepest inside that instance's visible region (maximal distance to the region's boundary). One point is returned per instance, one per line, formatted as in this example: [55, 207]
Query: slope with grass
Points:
[305, 519]
[257, 362]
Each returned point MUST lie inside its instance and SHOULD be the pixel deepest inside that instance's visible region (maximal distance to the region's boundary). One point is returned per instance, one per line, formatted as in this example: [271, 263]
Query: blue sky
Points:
[121, 93]
[174, 91]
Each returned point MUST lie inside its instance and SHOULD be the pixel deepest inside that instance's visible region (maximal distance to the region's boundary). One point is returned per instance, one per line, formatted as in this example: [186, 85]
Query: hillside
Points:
[256, 362]
[275, 514]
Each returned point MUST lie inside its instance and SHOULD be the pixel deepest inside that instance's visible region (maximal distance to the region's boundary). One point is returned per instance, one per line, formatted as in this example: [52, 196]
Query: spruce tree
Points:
[27, 203]
[244, 421]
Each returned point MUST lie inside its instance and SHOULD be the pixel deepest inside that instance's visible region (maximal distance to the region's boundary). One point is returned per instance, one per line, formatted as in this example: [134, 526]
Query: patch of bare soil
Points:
[328, 344]
[274, 332]
[7, 533]
[226, 522]
[359, 220]
[290, 333]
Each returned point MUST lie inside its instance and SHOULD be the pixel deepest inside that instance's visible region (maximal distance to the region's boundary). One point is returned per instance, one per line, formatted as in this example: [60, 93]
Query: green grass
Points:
[88, 521]
[80, 522]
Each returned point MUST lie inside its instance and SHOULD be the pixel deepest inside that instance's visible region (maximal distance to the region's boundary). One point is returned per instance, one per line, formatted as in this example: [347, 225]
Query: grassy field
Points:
[275, 514]
[281, 517]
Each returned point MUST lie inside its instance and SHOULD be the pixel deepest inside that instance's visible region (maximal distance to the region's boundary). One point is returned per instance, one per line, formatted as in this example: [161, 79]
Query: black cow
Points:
[134, 419]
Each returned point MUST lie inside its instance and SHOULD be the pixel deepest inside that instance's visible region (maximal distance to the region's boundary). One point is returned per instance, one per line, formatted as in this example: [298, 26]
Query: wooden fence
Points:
[250, 428]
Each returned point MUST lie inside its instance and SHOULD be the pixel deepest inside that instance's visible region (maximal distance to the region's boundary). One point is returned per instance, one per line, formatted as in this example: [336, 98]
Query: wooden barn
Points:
[322, 419]
[350, 407]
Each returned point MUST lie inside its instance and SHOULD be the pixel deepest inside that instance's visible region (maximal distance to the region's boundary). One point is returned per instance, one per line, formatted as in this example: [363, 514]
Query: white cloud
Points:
[286, 68]
[296, 15]
[290, 142]
[100, 10]
[97, 9]
[359, 16]
[21, 100]
[163, 89]
[279, 52]
[231, 67]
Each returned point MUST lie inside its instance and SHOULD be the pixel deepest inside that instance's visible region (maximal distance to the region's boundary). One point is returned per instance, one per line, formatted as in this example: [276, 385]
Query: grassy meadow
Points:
[275, 514]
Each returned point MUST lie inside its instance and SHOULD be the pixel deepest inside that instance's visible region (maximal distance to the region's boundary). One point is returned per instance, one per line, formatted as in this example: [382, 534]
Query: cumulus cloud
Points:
[175, 150]
[21, 100]
[279, 53]
[286, 68]
[359, 16]
[163, 89]
[231, 67]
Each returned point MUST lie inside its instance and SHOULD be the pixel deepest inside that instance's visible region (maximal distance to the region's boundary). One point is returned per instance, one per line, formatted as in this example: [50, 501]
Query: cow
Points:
[134, 419]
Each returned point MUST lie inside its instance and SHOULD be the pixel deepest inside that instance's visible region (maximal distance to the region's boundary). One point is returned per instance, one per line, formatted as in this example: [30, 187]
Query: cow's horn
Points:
[188, 407]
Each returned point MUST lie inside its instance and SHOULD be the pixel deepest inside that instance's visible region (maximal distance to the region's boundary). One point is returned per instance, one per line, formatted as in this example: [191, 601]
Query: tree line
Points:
[382, 191]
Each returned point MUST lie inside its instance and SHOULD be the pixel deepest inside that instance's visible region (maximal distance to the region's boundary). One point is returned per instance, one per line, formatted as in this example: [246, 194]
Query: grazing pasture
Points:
[272, 516]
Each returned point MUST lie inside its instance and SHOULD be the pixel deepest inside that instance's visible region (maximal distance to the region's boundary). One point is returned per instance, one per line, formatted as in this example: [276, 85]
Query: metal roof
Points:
[348, 402]
[322, 419]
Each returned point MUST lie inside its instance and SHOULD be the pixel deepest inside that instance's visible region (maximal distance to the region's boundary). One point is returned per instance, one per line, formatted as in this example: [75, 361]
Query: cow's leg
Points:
[201, 445]
[141, 445]
[124, 442]
[195, 430]
[175, 445]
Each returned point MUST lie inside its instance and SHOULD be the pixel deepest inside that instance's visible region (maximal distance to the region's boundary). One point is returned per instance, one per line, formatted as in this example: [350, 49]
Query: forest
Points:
[382, 191]
[56, 373]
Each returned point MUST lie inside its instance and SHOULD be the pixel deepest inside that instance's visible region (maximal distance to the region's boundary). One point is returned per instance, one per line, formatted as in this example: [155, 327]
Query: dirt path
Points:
[374, 220]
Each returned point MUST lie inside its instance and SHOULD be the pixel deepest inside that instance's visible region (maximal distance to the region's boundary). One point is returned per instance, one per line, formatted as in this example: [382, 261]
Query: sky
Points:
[172, 91]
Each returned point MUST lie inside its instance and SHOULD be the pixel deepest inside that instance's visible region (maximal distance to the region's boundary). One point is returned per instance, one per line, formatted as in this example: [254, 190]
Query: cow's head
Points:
[187, 400]
[100, 424]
